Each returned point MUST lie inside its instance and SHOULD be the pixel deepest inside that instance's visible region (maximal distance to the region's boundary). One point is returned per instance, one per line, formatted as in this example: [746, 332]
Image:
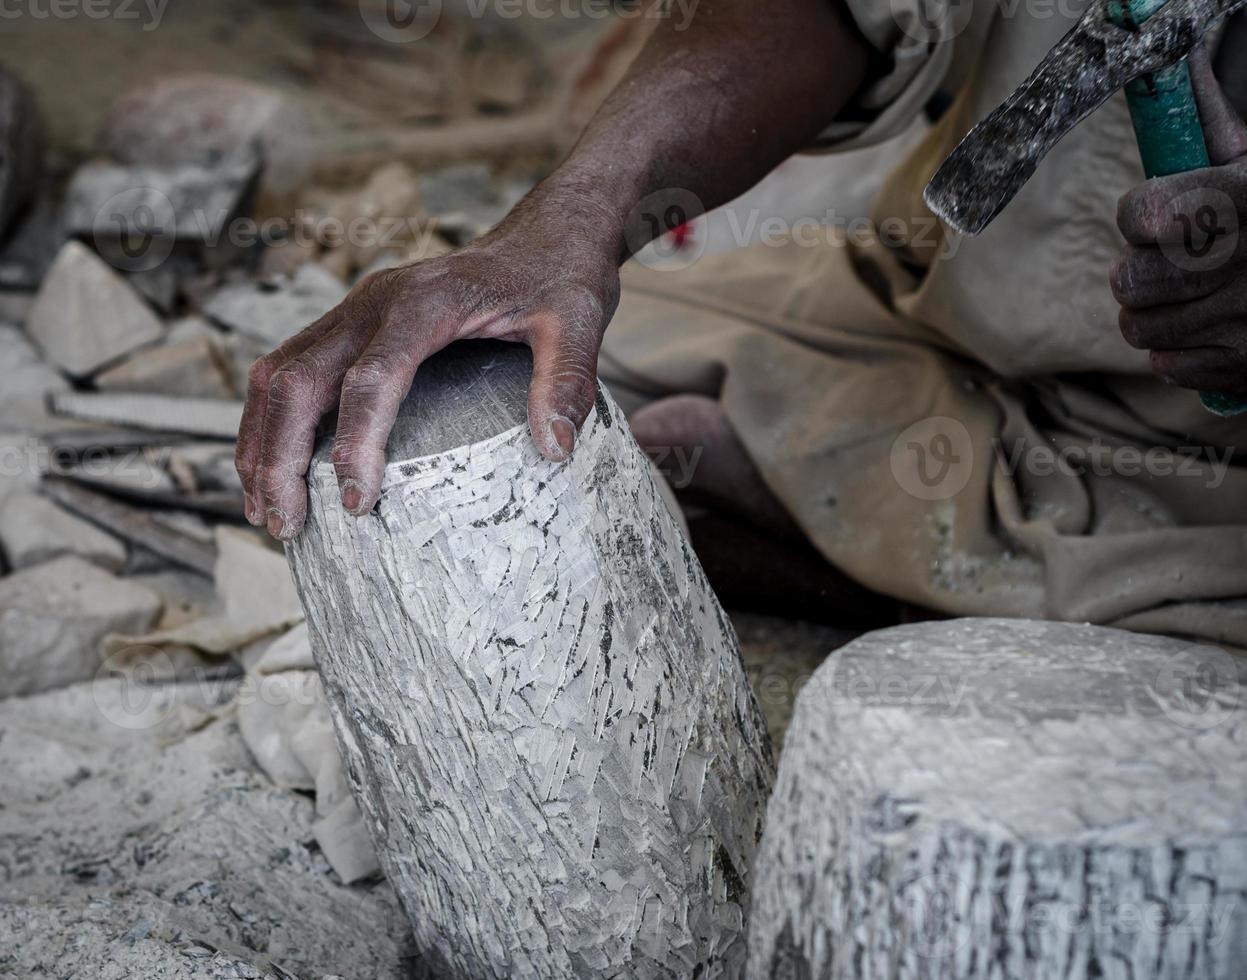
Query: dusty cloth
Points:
[958, 422]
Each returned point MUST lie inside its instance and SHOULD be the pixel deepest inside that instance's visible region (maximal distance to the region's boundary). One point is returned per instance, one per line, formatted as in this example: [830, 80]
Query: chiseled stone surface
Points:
[1001, 799]
[86, 315]
[540, 704]
[53, 617]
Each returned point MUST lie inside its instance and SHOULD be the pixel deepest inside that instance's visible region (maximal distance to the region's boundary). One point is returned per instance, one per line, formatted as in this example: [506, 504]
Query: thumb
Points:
[1224, 129]
[564, 383]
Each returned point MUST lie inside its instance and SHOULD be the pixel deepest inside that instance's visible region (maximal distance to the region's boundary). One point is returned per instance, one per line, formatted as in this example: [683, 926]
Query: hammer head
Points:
[1092, 62]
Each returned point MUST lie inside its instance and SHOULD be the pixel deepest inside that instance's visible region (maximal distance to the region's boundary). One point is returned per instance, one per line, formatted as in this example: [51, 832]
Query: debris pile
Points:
[174, 804]
[150, 640]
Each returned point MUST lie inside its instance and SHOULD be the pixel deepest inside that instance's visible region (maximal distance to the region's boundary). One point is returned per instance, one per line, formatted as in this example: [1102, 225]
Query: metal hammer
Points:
[1139, 45]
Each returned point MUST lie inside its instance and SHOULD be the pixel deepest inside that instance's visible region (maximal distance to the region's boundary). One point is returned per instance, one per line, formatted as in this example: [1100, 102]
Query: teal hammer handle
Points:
[1170, 135]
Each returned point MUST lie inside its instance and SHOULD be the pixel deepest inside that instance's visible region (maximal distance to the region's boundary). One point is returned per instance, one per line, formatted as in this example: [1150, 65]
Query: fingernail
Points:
[276, 522]
[250, 511]
[352, 497]
[564, 434]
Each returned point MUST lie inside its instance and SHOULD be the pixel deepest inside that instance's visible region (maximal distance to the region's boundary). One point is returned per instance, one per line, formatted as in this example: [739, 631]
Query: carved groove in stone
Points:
[539, 701]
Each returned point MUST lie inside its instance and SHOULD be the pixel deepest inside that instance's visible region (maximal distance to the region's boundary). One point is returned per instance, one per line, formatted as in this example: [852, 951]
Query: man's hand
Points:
[1182, 280]
[689, 125]
[530, 281]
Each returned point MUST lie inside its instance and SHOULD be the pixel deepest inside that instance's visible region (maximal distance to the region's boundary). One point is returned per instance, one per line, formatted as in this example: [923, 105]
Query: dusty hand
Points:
[530, 281]
[1182, 280]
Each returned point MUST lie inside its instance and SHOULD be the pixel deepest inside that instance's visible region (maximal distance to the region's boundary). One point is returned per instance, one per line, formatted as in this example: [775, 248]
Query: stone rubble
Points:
[194, 368]
[87, 316]
[274, 313]
[106, 200]
[174, 804]
[54, 616]
[27, 382]
[34, 530]
[140, 840]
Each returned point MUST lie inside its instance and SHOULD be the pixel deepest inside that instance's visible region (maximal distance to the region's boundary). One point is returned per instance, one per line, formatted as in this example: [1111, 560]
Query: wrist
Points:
[588, 207]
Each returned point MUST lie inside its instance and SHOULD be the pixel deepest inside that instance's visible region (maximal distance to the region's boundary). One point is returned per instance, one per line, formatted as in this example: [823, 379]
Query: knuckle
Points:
[367, 377]
[259, 373]
[290, 384]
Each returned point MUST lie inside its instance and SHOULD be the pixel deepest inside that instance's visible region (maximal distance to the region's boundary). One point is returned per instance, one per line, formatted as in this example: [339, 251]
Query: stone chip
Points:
[53, 618]
[194, 368]
[86, 316]
[33, 530]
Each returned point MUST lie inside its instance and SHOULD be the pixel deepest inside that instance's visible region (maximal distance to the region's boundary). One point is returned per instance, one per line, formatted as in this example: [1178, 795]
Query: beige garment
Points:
[958, 423]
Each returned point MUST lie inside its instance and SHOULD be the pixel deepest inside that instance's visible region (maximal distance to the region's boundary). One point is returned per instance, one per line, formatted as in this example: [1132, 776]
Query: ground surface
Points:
[139, 838]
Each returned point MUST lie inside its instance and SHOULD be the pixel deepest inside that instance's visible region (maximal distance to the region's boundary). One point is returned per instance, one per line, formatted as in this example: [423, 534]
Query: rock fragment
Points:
[209, 418]
[201, 119]
[27, 382]
[53, 618]
[33, 530]
[86, 316]
[146, 209]
[274, 313]
[15, 306]
[193, 368]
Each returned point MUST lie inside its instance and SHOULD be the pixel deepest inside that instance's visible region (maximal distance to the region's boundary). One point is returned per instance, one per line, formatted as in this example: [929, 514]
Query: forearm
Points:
[704, 113]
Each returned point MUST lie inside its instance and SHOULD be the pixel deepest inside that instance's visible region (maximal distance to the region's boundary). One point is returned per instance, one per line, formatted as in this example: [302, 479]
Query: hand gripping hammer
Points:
[1138, 45]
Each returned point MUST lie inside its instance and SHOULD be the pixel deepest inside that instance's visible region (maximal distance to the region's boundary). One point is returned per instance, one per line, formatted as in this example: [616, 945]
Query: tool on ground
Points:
[1137, 45]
